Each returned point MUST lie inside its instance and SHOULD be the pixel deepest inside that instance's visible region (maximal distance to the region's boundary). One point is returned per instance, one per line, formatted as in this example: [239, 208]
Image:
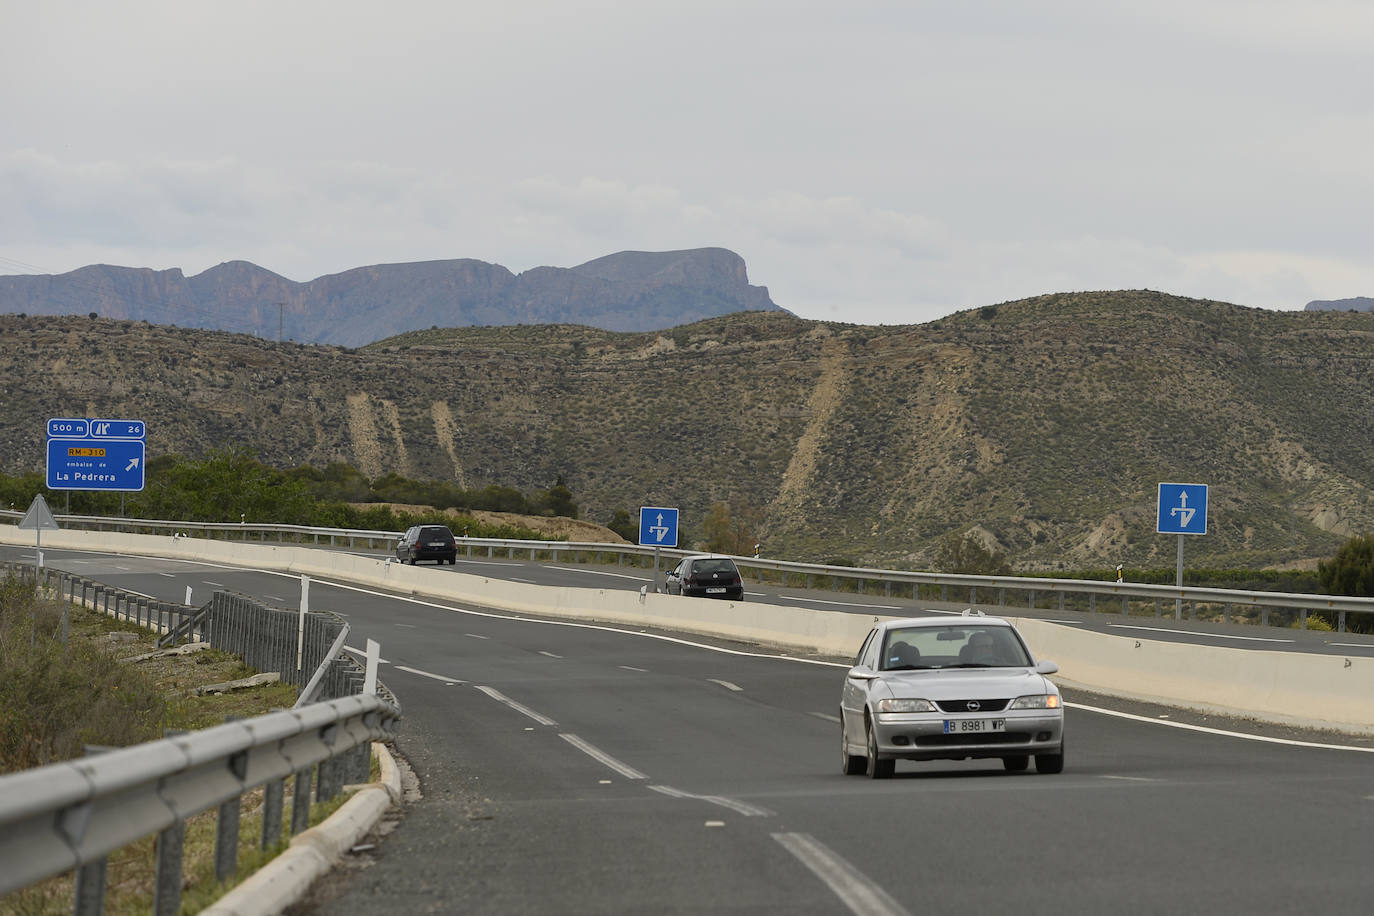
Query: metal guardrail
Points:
[1224, 604]
[74, 814]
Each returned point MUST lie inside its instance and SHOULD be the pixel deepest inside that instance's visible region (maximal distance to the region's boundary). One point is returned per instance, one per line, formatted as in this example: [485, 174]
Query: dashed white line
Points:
[624, 769]
[475, 636]
[406, 626]
[853, 887]
[429, 674]
[827, 717]
[167, 575]
[633, 668]
[521, 708]
[549, 654]
[726, 684]
[733, 804]
[214, 584]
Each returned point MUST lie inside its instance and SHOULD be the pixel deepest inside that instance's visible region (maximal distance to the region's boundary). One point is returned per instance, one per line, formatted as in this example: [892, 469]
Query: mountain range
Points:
[627, 291]
[1042, 426]
[1355, 304]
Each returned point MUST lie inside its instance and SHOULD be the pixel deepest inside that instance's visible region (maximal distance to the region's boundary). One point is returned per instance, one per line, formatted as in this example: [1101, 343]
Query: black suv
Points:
[427, 542]
[706, 577]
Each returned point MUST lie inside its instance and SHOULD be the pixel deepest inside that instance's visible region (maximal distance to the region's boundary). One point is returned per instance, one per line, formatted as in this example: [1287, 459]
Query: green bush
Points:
[1351, 570]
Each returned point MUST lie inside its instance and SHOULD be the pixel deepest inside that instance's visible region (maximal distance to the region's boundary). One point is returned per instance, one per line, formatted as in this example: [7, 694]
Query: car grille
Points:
[976, 738]
[962, 705]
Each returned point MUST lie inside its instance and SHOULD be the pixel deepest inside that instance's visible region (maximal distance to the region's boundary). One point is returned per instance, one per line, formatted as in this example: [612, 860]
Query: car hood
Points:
[960, 683]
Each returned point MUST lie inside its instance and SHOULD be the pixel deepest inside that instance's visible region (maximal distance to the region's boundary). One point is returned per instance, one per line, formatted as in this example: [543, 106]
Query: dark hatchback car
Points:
[427, 542]
[706, 577]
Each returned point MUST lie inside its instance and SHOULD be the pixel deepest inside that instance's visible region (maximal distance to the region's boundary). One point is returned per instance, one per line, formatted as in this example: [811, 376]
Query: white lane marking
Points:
[549, 654]
[505, 563]
[168, 575]
[521, 708]
[827, 717]
[633, 668]
[518, 579]
[361, 652]
[475, 636]
[1072, 623]
[214, 584]
[438, 677]
[879, 607]
[407, 626]
[1218, 731]
[124, 568]
[1131, 778]
[1124, 626]
[726, 684]
[595, 572]
[1351, 645]
[273, 598]
[853, 887]
[624, 769]
[733, 804]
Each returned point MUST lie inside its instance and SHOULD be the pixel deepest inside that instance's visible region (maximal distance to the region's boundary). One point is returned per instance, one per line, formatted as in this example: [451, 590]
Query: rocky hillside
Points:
[1044, 424]
[629, 291]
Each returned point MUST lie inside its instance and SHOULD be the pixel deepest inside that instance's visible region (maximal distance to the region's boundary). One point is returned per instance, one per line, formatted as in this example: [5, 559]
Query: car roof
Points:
[945, 620]
[709, 556]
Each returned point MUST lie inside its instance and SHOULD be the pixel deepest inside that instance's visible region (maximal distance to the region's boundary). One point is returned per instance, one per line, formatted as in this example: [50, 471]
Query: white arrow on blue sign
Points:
[657, 526]
[1182, 508]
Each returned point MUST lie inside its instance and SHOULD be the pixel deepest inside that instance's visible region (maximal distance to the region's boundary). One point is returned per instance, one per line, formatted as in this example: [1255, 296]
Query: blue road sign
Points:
[1182, 508]
[657, 526]
[95, 464]
[118, 429]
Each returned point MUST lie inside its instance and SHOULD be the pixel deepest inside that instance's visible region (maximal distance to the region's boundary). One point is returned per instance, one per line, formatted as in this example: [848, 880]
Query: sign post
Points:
[1182, 511]
[38, 518]
[657, 528]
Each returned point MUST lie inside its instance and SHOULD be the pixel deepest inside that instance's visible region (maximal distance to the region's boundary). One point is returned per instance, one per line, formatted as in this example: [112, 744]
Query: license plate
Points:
[437, 544]
[715, 591]
[972, 726]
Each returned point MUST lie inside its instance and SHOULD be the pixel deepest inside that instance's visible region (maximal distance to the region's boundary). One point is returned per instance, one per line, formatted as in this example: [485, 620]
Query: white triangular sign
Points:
[39, 516]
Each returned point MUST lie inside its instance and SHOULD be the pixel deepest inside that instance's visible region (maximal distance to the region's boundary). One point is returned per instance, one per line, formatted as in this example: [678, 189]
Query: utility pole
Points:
[281, 319]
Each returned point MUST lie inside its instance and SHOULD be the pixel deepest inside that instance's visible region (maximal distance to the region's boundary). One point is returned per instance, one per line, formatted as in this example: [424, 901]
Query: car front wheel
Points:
[1050, 763]
[877, 767]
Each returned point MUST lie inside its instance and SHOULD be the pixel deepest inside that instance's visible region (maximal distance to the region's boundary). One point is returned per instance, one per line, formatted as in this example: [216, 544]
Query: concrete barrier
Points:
[1312, 690]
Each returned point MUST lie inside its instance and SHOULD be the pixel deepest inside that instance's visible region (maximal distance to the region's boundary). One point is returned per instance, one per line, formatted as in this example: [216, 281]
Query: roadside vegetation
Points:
[61, 696]
[234, 487]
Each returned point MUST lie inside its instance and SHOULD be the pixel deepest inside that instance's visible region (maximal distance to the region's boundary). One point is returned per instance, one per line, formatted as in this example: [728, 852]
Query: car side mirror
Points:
[1046, 668]
[861, 673]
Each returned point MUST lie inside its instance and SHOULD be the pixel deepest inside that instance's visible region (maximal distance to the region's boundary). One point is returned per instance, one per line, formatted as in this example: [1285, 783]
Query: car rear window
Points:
[714, 566]
[429, 533]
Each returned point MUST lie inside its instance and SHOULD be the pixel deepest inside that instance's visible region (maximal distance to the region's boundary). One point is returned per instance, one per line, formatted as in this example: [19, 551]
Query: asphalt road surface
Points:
[576, 769]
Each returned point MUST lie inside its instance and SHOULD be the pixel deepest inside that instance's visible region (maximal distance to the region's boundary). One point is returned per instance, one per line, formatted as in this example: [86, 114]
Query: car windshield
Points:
[954, 646]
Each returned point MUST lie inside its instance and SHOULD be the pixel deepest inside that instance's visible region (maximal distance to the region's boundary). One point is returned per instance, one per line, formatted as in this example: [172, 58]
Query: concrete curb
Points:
[286, 879]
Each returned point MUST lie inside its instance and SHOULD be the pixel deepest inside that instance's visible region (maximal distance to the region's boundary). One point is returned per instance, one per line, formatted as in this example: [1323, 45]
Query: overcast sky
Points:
[872, 161]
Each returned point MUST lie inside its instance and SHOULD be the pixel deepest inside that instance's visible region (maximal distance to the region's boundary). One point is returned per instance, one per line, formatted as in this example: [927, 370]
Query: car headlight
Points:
[1038, 701]
[891, 705]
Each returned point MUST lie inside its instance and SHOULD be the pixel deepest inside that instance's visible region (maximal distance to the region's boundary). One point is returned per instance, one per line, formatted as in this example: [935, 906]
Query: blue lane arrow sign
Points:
[1182, 508]
[657, 526]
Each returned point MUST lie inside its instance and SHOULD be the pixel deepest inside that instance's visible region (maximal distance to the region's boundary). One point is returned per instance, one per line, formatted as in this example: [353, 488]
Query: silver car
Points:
[941, 688]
